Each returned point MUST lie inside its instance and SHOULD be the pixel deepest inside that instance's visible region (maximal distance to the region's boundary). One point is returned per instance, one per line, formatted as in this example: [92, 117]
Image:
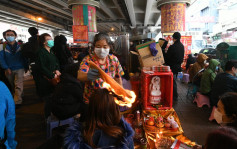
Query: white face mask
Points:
[218, 116]
[101, 52]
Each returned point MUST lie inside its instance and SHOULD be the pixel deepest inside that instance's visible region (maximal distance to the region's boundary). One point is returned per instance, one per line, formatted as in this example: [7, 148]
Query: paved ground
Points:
[31, 126]
[194, 120]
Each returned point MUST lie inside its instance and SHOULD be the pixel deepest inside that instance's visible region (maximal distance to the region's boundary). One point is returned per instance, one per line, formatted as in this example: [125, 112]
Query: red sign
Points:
[187, 42]
[80, 34]
[92, 19]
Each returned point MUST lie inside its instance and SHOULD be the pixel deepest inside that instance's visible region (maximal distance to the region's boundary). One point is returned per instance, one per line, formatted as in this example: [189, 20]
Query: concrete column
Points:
[55, 33]
[84, 13]
[172, 15]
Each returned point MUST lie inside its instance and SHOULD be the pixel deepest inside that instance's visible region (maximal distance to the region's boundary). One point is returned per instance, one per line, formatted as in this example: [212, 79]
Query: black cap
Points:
[176, 35]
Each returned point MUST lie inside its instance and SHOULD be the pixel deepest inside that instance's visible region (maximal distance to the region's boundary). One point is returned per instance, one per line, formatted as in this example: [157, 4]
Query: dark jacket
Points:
[46, 64]
[190, 60]
[174, 56]
[223, 83]
[30, 49]
[74, 138]
[63, 54]
[67, 99]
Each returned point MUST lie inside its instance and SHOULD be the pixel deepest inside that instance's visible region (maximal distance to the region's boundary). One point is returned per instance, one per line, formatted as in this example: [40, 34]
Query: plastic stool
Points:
[53, 122]
[201, 100]
[185, 78]
[212, 114]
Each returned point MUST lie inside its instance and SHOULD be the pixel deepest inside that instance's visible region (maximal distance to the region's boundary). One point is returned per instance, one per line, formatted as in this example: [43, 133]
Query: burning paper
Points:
[126, 100]
[110, 84]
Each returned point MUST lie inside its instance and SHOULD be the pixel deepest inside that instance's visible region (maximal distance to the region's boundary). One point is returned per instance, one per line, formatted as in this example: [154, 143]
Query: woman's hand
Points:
[57, 73]
[197, 147]
[93, 74]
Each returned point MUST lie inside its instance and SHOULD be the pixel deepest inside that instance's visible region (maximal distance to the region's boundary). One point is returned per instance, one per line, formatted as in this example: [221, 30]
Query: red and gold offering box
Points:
[165, 86]
[162, 121]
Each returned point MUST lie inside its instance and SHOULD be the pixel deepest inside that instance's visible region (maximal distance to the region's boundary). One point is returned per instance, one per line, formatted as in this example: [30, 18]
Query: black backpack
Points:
[67, 99]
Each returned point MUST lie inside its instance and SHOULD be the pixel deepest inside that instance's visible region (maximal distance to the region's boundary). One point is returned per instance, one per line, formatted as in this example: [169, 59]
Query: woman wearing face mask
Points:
[226, 111]
[47, 66]
[107, 62]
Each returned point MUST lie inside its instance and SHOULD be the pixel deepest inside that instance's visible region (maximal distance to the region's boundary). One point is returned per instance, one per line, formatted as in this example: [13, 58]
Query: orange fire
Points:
[127, 101]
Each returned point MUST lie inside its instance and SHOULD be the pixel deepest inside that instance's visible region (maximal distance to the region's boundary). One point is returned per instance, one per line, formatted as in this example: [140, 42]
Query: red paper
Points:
[80, 34]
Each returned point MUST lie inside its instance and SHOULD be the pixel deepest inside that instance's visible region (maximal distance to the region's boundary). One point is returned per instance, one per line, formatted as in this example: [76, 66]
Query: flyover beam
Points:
[129, 4]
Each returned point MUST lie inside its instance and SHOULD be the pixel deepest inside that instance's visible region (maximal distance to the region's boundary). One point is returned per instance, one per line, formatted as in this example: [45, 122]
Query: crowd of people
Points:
[208, 78]
[69, 88]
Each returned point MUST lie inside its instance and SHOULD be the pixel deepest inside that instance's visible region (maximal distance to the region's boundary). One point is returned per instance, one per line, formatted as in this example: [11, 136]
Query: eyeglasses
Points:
[10, 35]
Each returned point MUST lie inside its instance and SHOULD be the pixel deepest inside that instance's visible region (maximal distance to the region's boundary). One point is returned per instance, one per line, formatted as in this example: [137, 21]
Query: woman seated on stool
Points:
[208, 77]
[104, 127]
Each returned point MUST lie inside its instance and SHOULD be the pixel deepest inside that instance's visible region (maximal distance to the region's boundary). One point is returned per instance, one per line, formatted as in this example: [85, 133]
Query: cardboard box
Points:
[145, 57]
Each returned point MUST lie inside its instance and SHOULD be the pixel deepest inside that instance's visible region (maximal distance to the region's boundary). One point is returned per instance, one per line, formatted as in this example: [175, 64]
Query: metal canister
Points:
[143, 143]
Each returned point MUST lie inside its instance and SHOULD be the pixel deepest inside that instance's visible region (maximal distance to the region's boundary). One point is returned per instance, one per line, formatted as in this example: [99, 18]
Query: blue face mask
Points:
[217, 68]
[10, 38]
[50, 43]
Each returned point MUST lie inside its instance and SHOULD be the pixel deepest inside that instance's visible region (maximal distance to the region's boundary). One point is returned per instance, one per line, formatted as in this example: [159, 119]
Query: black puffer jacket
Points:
[67, 99]
[174, 56]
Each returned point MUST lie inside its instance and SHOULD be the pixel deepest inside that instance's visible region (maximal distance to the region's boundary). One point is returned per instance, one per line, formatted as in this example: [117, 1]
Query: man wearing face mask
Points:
[225, 82]
[14, 63]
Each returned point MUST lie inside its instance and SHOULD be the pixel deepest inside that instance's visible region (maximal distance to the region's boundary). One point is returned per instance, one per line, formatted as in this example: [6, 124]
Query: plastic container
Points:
[166, 88]
[180, 76]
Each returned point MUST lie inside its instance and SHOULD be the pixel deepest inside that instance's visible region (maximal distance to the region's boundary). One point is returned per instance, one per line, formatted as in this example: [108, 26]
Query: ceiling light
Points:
[39, 19]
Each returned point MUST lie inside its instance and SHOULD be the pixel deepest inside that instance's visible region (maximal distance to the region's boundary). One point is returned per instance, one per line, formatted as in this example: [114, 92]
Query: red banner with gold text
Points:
[80, 34]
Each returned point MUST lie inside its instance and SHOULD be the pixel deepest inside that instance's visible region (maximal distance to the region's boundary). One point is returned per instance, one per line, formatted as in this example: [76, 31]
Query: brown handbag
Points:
[53, 81]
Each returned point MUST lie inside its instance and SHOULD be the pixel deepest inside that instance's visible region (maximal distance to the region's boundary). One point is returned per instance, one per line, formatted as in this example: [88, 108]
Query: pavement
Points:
[31, 124]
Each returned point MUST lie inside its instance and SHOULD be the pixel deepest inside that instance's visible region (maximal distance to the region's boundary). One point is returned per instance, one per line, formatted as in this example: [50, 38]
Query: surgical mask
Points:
[217, 68]
[101, 52]
[10, 38]
[218, 116]
[50, 43]
[205, 61]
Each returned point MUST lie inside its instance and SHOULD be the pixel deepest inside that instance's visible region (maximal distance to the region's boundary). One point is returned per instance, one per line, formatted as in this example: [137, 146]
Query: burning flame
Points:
[157, 135]
[127, 101]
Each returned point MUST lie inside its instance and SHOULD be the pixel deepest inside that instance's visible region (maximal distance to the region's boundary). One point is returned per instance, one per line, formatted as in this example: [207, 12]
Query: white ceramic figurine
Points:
[155, 93]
